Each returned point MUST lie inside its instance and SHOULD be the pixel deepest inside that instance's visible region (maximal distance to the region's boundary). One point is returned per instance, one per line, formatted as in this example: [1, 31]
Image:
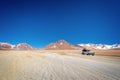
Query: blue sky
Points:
[39, 22]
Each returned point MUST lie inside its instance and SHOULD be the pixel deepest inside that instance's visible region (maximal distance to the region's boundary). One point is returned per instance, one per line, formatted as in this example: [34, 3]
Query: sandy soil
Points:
[59, 65]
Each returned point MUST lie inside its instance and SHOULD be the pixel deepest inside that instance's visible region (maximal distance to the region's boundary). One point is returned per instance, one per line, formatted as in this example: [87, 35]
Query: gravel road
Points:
[33, 65]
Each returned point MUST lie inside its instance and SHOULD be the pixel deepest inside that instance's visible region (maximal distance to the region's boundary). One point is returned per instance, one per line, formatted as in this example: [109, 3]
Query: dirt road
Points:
[34, 65]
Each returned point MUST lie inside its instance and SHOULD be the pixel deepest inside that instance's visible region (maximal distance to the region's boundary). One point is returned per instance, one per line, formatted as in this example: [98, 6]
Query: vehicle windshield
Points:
[86, 50]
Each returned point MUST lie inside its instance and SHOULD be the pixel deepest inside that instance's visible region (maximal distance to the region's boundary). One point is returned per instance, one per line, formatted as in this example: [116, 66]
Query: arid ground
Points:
[59, 65]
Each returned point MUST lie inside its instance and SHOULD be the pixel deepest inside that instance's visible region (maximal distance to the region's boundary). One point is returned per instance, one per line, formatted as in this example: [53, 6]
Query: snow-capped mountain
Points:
[21, 46]
[98, 46]
[116, 46]
[60, 45]
[4, 45]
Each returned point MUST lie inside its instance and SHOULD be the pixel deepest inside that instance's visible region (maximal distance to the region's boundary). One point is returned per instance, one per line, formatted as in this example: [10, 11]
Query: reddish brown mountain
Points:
[5, 46]
[23, 46]
[8, 46]
[60, 45]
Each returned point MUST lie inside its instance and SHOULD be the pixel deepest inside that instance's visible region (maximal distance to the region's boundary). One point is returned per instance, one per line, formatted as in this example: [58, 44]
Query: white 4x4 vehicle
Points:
[88, 52]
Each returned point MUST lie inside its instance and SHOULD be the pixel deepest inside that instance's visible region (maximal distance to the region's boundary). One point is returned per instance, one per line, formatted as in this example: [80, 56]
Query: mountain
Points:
[5, 46]
[23, 46]
[60, 45]
[116, 46]
[98, 46]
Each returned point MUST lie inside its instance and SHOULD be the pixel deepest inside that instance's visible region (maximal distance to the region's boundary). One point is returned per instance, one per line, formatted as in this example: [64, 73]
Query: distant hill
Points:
[99, 46]
[21, 46]
[5, 46]
[60, 45]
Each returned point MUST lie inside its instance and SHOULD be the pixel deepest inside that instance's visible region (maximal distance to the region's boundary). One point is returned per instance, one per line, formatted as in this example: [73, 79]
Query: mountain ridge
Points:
[58, 45]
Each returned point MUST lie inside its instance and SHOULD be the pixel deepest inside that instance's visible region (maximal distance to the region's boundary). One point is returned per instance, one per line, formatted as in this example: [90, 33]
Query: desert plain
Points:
[59, 65]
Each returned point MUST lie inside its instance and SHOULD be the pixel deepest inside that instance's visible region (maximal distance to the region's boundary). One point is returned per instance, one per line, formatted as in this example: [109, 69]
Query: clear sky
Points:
[39, 22]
